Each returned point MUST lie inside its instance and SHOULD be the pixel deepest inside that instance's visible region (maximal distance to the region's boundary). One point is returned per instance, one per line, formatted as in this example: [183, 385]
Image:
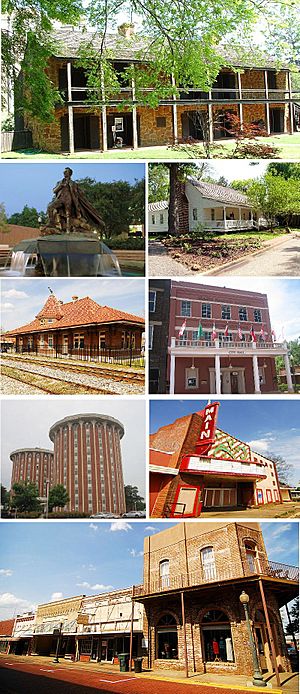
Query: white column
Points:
[174, 114]
[267, 104]
[210, 119]
[134, 117]
[256, 374]
[70, 108]
[287, 367]
[172, 374]
[241, 116]
[218, 373]
[291, 104]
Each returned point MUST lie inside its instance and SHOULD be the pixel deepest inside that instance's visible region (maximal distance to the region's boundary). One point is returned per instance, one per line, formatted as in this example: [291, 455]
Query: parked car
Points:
[134, 514]
[104, 515]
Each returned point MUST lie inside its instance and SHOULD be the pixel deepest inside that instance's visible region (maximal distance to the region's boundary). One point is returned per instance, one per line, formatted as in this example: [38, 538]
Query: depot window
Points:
[78, 341]
[217, 637]
[167, 639]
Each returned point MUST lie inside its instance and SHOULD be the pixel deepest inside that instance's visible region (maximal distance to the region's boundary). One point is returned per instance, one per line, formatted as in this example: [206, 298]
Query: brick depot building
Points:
[194, 574]
[221, 341]
[88, 462]
[195, 466]
[79, 326]
[33, 465]
[255, 91]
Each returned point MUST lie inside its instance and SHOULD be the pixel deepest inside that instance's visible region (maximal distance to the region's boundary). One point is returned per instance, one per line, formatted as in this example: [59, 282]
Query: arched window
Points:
[164, 573]
[217, 639]
[251, 553]
[208, 564]
[167, 639]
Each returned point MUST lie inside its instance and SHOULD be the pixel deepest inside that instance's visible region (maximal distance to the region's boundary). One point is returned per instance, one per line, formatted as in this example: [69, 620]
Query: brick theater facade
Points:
[195, 467]
[193, 577]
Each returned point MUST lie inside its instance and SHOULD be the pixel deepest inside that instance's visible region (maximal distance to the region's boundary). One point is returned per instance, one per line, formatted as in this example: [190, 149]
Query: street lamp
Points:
[258, 679]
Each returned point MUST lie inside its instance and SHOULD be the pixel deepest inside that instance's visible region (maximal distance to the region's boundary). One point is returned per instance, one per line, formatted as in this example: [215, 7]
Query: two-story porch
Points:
[224, 366]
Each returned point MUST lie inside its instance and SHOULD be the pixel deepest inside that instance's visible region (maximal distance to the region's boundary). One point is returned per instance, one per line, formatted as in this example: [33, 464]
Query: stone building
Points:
[221, 341]
[195, 467]
[88, 462]
[33, 465]
[253, 90]
[56, 620]
[159, 308]
[80, 327]
[193, 576]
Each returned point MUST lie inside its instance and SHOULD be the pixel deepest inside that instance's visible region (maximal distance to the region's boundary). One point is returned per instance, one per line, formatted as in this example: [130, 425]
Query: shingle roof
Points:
[157, 206]
[213, 191]
[76, 313]
[69, 39]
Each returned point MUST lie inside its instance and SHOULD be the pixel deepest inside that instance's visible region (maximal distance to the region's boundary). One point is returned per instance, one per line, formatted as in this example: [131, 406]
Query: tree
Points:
[177, 176]
[159, 182]
[119, 203]
[242, 185]
[3, 218]
[25, 498]
[284, 469]
[5, 497]
[134, 502]
[274, 196]
[286, 169]
[58, 496]
[29, 217]
[293, 628]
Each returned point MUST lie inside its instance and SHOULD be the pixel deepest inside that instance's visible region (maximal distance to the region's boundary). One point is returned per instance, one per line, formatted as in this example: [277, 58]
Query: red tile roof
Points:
[75, 313]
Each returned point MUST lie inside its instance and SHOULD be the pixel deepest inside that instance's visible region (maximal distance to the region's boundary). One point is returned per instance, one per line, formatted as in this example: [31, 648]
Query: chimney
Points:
[126, 30]
[74, 298]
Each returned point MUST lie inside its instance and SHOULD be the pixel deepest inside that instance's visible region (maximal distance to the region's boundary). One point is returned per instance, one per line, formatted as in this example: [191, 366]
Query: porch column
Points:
[287, 367]
[256, 374]
[184, 636]
[240, 214]
[174, 114]
[241, 115]
[224, 217]
[172, 374]
[70, 108]
[269, 629]
[210, 119]
[267, 103]
[131, 630]
[218, 373]
[134, 117]
[291, 105]
[103, 115]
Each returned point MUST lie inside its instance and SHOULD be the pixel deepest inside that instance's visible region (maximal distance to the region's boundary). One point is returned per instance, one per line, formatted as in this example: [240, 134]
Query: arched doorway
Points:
[216, 637]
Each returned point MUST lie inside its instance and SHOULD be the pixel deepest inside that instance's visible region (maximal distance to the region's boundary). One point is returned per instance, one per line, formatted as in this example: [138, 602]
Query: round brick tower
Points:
[87, 462]
[33, 465]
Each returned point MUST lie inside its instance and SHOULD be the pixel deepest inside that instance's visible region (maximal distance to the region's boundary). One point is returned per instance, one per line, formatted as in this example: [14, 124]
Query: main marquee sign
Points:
[208, 429]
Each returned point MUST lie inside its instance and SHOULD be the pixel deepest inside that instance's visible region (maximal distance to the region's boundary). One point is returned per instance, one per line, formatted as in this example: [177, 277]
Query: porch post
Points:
[256, 374]
[267, 102]
[103, 115]
[184, 635]
[291, 105]
[224, 217]
[288, 373]
[210, 119]
[134, 117]
[241, 115]
[218, 373]
[131, 629]
[174, 114]
[266, 613]
[70, 108]
[172, 374]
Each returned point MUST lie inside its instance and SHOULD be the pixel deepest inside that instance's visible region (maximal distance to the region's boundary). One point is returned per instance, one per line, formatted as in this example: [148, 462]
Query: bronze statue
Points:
[71, 211]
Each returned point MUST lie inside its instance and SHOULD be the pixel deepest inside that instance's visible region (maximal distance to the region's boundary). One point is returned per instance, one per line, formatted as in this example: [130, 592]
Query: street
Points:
[282, 260]
[19, 677]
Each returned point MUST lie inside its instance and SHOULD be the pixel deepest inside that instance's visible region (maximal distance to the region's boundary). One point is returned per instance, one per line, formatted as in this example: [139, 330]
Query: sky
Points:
[237, 169]
[43, 561]
[25, 422]
[283, 299]
[268, 426]
[32, 184]
[22, 299]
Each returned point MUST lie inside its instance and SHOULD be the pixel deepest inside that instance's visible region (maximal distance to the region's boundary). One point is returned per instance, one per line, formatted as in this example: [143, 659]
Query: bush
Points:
[130, 244]
[255, 150]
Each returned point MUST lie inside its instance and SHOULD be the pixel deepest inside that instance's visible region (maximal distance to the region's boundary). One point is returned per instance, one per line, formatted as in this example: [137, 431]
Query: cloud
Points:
[94, 586]
[93, 526]
[136, 553]
[14, 294]
[281, 528]
[6, 572]
[150, 529]
[120, 526]
[260, 445]
[6, 306]
[89, 567]
[11, 601]
[56, 596]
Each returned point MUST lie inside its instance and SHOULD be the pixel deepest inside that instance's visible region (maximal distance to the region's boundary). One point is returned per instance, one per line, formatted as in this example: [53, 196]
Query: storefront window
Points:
[217, 639]
[167, 640]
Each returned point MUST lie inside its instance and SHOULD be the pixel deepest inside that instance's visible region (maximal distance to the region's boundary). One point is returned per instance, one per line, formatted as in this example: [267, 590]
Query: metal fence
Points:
[128, 357]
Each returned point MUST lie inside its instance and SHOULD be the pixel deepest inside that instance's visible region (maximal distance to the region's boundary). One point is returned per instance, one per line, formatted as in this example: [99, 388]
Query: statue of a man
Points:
[69, 204]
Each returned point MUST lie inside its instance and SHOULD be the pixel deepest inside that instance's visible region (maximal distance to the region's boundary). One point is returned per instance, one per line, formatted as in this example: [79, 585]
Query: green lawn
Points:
[289, 146]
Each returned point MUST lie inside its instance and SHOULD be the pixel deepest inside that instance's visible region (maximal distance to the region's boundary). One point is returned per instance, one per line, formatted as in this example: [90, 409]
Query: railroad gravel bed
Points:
[117, 387]
[11, 386]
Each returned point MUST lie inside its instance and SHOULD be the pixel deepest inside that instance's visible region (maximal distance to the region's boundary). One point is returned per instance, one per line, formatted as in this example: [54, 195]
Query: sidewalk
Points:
[289, 680]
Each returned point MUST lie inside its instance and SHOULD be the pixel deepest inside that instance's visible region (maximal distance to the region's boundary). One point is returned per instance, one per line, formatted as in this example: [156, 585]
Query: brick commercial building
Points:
[33, 465]
[221, 341]
[255, 91]
[6, 630]
[56, 620]
[80, 327]
[159, 309]
[195, 466]
[22, 634]
[88, 462]
[193, 576]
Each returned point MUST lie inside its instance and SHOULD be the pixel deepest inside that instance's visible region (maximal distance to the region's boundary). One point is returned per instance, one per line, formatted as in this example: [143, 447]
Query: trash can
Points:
[138, 662]
[124, 662]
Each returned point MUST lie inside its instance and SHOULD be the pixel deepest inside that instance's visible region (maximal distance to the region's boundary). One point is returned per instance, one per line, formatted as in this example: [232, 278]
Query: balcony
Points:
[185, 347]
[264, 569]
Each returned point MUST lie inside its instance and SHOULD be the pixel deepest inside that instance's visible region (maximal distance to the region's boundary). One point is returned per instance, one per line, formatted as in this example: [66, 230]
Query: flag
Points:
[273, 335]
[214, 333]
[226, 330]
[262, 333]
[200, 331]
[252, 334]
[182, 329]
[240, 334]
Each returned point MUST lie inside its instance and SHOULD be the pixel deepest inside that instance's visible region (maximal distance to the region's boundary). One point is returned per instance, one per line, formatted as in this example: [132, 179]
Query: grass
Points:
[289, 146]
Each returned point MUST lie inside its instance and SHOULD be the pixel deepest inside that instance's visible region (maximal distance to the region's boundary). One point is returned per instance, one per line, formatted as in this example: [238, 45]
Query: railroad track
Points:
[47, 383]
[84, 369]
